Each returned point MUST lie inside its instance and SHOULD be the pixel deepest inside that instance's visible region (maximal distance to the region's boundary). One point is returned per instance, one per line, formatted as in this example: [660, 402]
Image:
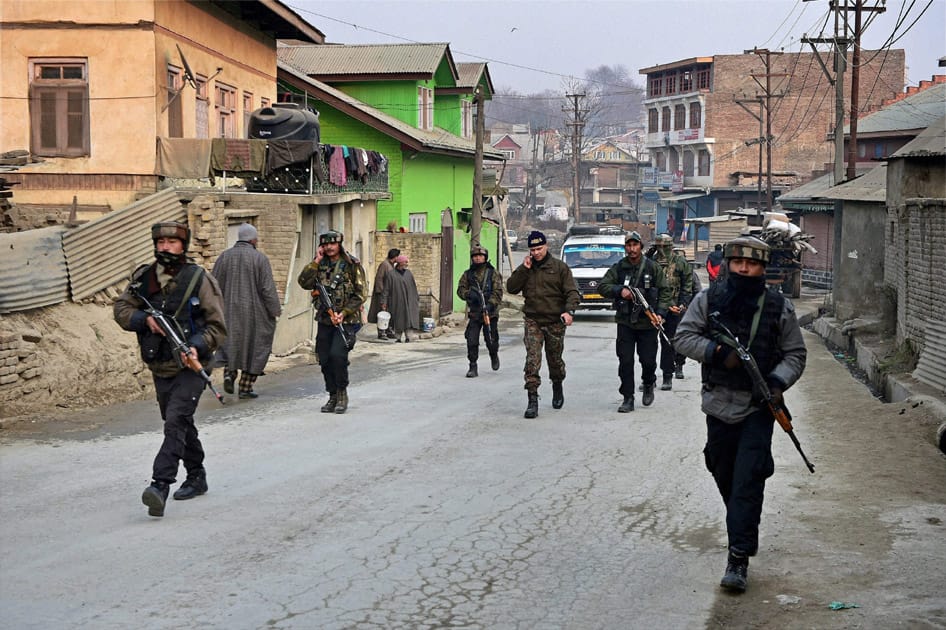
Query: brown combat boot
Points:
[329, 407]
[341, 405]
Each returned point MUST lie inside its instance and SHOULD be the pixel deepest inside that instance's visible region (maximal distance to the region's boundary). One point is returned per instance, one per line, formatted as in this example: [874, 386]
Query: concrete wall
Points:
[859, 282]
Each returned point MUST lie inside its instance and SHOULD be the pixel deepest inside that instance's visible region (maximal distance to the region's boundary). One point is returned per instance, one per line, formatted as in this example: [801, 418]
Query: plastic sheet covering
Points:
[32, 269]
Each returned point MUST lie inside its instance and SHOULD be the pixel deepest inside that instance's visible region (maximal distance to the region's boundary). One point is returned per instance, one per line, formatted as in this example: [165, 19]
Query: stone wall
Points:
[19, 363]
[424, 253]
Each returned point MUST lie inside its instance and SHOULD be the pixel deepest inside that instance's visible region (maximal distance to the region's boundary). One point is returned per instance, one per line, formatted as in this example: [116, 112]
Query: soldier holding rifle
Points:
[481, 286]
[187, 298]
[638, 318]
[739, 417]
[343, 278]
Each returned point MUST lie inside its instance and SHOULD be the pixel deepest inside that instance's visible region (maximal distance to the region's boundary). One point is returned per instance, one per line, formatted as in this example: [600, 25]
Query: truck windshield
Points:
[592, 255]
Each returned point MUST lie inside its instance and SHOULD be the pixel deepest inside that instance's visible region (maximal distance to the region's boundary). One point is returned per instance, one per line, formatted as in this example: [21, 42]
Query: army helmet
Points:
[633, 236]
[331, 236]
[747, 247]
[479, 250]
[663, 240]
[171, 229]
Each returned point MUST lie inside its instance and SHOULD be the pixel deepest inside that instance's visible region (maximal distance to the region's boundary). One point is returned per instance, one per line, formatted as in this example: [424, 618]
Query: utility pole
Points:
[760, 140]
[477, 220]
[534, 171]
[766, 55]
[858, 8]
[577, 124]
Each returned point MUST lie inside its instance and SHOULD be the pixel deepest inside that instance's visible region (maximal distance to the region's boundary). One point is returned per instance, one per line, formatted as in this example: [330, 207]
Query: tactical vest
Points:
[764, 348]
[487, 288]
[647, 270]
[338, 278]
[180, 305]
[669, 266]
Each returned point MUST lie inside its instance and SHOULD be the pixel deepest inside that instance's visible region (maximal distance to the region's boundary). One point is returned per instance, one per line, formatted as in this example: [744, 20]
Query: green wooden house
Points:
[412, 103]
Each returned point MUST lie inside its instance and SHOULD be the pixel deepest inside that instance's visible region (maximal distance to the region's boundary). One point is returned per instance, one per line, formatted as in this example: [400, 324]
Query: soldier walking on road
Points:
[634, 329]
[252, 305]
[481, 286]
[551, 297]
[738, 448]
[343, 278]
[191, 299]
[680, 280]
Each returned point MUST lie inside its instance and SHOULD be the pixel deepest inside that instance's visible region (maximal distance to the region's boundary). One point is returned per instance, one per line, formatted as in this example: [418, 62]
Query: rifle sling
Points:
[190, 289]
[755, 327]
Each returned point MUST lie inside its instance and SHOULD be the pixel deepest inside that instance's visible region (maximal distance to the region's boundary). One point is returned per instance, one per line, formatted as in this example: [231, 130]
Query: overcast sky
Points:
[530, 45]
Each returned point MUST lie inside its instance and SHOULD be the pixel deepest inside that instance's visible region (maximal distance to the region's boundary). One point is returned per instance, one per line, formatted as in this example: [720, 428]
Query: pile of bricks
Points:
[19, 362]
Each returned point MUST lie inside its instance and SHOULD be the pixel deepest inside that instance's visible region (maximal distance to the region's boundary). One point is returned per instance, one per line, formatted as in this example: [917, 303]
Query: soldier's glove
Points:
[775, 388]
[726, 357]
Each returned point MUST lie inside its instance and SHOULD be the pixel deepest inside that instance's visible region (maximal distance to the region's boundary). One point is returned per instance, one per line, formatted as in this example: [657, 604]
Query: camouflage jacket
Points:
[679, 277]
[345, 282]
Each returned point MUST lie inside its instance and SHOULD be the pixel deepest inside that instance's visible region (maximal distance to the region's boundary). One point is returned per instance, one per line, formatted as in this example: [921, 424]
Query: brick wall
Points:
[423, 251]
[19, 362]
[801, 118]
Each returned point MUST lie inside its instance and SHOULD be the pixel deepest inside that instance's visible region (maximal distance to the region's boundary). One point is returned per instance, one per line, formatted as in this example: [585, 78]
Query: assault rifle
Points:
[651, 315]
[179, 348]
[779, 411]
[325, 303]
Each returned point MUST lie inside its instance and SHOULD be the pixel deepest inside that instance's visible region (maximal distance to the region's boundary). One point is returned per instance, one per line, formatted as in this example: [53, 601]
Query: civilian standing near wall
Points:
[385, 268]
[343, 278]
[251, 304]
[481, 286]
[738, 449]
[551, 297]
[189, 296]
[400, 298]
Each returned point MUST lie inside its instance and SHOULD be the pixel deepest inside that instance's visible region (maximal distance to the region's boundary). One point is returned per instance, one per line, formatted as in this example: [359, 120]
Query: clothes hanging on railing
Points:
[285, 152]
[238, 157]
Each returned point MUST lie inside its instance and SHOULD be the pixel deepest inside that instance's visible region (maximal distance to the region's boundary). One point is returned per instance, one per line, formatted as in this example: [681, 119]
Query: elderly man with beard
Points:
[190, 297]
[739, 426]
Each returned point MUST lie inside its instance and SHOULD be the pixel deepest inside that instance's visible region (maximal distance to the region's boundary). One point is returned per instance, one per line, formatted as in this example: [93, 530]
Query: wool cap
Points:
[633, 236]
[536, 238]
[402, 259]
[331, 237]
[747, 247]
[247, 232]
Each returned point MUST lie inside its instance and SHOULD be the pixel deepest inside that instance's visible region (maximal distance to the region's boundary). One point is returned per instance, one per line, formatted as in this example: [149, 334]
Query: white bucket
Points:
[428, 324]
[384, 318]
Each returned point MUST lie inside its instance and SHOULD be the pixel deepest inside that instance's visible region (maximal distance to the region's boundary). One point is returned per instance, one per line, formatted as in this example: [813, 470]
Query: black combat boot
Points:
[679, 372]
[329, 407]
[472, 373]
[193, 486]
[558, 396]
[667, 384]
[627, 406]
[736, 578]
[341, 403]
[155, 496]
[494, 361]
[532, 410]
[648, 396]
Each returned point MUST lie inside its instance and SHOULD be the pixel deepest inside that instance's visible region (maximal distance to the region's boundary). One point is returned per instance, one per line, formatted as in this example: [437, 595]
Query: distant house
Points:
[411, 102]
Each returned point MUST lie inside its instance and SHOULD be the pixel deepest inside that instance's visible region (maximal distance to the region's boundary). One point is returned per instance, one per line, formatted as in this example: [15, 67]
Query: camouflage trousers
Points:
[534, 336]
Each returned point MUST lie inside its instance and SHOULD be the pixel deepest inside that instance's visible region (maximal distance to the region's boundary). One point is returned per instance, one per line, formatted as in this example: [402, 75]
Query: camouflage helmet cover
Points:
[478, 250]
[747, 247]
[633, 236]
[663, 240]
[331, 237]
[171, 229]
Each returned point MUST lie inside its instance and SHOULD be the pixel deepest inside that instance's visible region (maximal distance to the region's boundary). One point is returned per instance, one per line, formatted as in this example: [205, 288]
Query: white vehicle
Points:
[589, 251]
[513, 239]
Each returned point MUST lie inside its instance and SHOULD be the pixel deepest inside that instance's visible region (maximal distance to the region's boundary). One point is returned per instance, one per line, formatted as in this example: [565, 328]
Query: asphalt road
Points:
[432, 503]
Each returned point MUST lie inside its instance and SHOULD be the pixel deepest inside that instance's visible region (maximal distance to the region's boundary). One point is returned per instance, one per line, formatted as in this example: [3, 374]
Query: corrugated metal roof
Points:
[329, 60]
[816, 188]
[916, 111]
[105, 251]
[931, 368]
[436, 140]
[32, 269]
[930, 142]
[469, 74]
[869, 187]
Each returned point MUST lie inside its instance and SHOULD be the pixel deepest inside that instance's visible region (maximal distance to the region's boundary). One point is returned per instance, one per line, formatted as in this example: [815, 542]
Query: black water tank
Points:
[284, 121]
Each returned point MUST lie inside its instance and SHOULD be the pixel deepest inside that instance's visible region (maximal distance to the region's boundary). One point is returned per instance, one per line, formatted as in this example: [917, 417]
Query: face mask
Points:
[750, 285]
[170, 260]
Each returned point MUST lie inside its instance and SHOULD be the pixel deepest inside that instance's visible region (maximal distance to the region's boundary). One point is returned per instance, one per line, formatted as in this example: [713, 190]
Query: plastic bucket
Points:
[384, 318]
[428, 324]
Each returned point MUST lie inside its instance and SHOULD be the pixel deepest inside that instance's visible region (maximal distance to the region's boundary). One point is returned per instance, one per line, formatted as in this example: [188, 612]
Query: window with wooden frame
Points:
[425, 108]
[225, 109]
[686, 81]
[59, 107]
[703, 79]
[696, 115]
[247, 110]
[202, 108]
[655, 86]
[467, 114]
[679, 116]
[670, 84]
[688, 163]
[703, 159]
[175, 107]
[417, 221]
[653, 120]
[665, 119]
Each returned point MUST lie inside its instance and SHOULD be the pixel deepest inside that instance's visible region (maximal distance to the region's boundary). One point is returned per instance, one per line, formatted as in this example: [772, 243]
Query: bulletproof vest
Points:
[669, 265]
[765, 346]
[180, 305]
[338, 279]
[486, 285]
[645, 283]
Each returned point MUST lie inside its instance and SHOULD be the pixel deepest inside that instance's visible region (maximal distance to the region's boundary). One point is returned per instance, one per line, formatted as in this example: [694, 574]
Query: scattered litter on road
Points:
[787, 600]
[842, 605]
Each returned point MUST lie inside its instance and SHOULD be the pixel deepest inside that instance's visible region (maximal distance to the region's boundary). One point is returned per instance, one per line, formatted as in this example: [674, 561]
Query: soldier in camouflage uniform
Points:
[680, 280]
[634, 330]
[551, 299]
[344, 278]
[481, 286]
